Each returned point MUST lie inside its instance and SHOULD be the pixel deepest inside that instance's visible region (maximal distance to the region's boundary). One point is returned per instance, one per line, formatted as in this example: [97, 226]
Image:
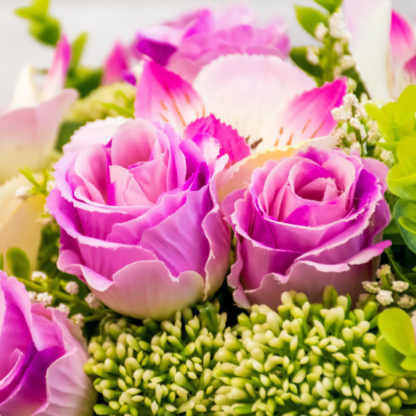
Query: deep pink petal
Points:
[115, 65]
[231, 142]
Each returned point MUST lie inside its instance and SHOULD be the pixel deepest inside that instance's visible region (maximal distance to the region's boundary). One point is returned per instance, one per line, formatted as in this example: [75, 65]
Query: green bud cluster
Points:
[307, 359]
[153, 368]
[105, 101]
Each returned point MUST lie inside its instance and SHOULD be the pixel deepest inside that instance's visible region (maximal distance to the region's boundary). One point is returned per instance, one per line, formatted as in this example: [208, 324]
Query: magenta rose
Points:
[139, 216]
[305, 222]
[42, 359]
[190, 42]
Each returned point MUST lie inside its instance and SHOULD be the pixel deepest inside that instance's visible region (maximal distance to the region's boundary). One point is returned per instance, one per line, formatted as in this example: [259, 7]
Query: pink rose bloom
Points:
[187, 44]
[42, 359]
[139, 214]
[305, 222]
[383, 44]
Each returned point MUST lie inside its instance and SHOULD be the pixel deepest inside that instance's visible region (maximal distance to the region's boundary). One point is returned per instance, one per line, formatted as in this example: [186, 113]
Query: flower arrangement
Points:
[213, 222]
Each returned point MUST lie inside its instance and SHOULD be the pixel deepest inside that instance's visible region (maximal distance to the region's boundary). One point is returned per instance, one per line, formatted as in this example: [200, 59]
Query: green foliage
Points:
[309, 18]
[80, 77]
[42, 26]
[330, 5]
[405, 215]
[298, 56]
[324, 64]
[67, 129]
[396, 120]
[1, 261]
[396, 348]
[39, 186]
[18, 263]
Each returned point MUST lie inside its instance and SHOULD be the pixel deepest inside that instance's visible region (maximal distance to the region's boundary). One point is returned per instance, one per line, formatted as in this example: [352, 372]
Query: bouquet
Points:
[213, 222]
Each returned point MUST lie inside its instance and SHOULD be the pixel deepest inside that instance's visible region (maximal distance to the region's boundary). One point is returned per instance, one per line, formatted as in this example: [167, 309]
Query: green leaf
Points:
[102, 409]
[309, 18]
[405, 107]
[67, 129]
[378, 115]
[30, 13]
[397, 329]
[405, 215]
[48, 31]
[1, 261]
[390, 359]
[77, 49]
[409, 363]
[330, 5]
[18, 263]
[298, 56]
[84, 80]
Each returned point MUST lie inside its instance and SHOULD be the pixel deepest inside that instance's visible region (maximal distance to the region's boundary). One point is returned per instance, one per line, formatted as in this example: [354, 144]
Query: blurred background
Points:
[111, 20]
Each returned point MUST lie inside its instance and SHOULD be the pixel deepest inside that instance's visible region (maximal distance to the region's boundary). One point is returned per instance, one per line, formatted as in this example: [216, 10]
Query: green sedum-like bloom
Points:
[317, 360]
[106, 101]
[155, 368]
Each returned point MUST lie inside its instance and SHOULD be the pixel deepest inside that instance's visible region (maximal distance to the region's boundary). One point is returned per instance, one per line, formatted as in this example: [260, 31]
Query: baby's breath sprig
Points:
[386, 291]
[356, 131]
[331, 59]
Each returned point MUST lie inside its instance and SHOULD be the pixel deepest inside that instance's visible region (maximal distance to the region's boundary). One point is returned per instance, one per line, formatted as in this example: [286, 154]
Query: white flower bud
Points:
[72, 288]
[336, 25]
[338, 48]
[93, 301]
[63, 308]
[311, 56]
[399, 286]
[406, 301]
[78, 319]
[350, 100]
[44, 298]
[360, 111]
[50, 185]
[371, 287]
[32, 297]
[387, 158]
[355, 123]
[384, 272]
[352, 85]
[347, 62]
[385, 297]
[321, 31]
[38, 275]
[22, 192]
